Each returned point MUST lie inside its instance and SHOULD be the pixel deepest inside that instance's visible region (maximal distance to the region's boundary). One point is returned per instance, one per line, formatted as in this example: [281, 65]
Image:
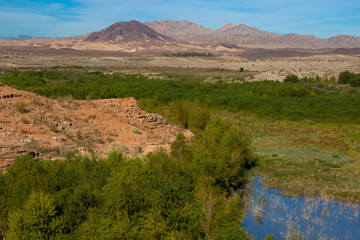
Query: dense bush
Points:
[355, 82]
[185, 194]
[192, 115]
[223, 152]
[345, 77]
[291, 78]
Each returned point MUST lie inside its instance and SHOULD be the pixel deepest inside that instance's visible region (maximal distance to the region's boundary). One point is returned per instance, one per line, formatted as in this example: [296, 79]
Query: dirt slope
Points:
[49, 128]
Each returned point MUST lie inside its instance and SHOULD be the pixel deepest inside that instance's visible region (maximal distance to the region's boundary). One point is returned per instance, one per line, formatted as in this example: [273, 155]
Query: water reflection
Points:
[312, 218]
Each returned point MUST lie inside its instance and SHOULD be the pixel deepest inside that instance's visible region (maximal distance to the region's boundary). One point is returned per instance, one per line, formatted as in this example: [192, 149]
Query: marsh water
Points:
[311, 218]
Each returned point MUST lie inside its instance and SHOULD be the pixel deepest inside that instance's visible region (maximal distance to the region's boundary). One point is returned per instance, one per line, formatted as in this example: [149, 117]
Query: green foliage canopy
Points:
[184, 194]
[291, 78]
[345, 77]
[290, 100]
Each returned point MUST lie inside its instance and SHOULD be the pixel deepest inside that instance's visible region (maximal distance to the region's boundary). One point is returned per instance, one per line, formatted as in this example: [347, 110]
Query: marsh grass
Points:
[312, 177]
[308, 159]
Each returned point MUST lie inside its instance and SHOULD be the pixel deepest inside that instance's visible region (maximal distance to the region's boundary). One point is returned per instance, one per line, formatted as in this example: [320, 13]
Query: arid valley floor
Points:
[266, 67]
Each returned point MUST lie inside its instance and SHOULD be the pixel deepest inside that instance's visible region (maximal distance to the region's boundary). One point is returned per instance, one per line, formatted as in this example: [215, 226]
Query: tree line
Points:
[292, 100]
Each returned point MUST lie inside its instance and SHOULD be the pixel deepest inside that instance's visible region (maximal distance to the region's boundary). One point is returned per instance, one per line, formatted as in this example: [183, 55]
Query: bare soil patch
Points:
[50, 128]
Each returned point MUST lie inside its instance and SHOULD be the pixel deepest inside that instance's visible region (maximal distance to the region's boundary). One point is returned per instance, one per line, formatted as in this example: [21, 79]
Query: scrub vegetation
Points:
[295, 101]
[304, 137]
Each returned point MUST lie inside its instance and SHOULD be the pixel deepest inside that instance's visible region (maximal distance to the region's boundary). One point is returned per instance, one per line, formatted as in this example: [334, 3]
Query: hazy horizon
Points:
[64, 18]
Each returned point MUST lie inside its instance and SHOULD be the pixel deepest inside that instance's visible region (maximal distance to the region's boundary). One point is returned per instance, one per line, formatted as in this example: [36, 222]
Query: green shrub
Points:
[224, 153]
[118, 147]
[136, 130]
[345, 77]
[38, 219]
[21, 107]
[291, 78]
[355, 82]
[191, 115]
[269, 237]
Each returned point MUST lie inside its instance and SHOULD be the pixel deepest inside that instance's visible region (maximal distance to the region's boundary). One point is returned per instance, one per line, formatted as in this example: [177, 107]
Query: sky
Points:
[63, 18]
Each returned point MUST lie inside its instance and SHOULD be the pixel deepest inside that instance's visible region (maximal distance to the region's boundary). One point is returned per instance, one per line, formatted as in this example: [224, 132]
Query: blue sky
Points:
[62, 18]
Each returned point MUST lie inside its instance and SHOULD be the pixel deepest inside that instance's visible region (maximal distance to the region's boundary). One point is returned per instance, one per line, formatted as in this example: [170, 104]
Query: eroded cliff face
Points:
[49, 128]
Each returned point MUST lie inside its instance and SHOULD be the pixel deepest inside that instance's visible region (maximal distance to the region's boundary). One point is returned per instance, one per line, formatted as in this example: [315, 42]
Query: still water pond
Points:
[312, 218]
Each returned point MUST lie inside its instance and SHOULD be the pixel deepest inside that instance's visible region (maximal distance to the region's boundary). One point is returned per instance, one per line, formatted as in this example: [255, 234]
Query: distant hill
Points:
[174, 28]
[124, 32]
[343, 41]
[245, 35]
[243, 30]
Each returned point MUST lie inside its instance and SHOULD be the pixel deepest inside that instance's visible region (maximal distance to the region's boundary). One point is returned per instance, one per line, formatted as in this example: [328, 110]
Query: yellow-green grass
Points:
[312, 176]
[308, 159]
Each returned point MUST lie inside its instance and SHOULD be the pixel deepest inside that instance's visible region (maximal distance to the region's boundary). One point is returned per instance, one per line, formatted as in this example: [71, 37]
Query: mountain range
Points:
[174, 35]
[229, 35]
[245, 35]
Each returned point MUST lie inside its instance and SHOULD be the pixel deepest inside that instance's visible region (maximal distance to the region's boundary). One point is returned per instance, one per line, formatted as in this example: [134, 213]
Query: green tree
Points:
[355, 82]
[225, 223]
[105, 227]
[191, 115]
[199, 116]
[224, 153]
[154, 226]
[269, 237]
[180, 113]
[37, 220]
[291, 78]
[346, 76]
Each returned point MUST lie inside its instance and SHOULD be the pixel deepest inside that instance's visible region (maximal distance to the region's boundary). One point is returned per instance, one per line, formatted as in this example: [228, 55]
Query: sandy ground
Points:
[329, 65]
[269, 69]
